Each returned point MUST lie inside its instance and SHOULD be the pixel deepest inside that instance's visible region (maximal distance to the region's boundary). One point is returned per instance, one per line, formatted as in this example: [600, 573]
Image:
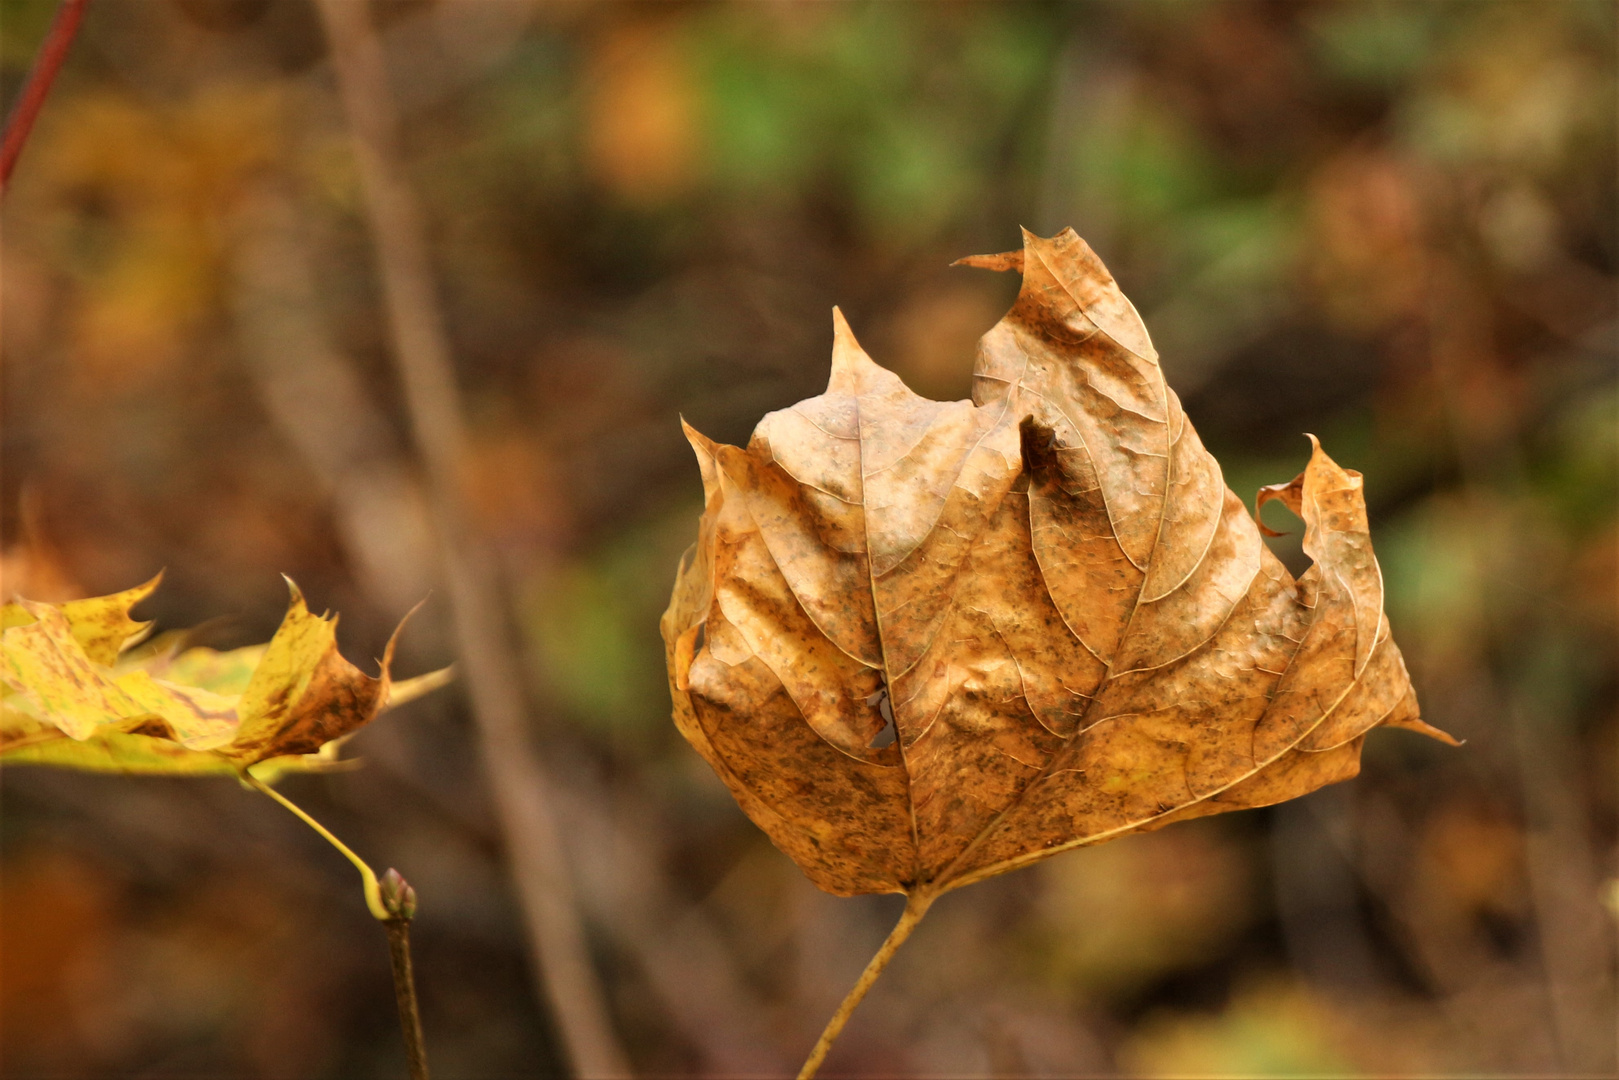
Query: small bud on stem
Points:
[397, 895]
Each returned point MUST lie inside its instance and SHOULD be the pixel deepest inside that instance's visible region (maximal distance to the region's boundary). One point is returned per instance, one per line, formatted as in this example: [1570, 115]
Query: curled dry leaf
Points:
[1075, 627]
[67, 699]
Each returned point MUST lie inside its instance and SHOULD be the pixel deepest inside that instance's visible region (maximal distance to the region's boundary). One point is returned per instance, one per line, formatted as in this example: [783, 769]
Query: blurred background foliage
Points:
[1389, 223]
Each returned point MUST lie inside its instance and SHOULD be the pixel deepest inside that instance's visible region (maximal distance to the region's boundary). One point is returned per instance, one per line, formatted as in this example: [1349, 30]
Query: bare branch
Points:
[422, 354]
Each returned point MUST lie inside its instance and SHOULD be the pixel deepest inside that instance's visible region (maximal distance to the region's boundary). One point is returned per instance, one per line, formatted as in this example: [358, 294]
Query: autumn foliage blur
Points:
[1390, 224]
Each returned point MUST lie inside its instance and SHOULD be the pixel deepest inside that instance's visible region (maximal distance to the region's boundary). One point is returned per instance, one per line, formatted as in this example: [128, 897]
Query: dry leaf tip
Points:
[297, 594]
[393, 638]
[706, 450]
[854, 372]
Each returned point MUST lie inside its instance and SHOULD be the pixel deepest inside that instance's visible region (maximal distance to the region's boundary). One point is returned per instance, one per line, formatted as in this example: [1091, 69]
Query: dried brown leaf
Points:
[1074, 625]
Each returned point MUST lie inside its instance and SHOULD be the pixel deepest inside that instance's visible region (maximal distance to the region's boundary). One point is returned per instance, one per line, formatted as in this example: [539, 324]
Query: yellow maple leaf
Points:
[66, 700]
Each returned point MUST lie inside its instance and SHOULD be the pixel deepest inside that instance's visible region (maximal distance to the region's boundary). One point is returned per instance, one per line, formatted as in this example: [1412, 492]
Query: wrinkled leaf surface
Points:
[1073, 624]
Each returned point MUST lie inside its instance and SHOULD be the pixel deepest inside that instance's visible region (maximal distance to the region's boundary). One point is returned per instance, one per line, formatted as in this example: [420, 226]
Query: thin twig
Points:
[47, 62]
[684, 955]
[410, 1020]
[422, 352]
[915, 907]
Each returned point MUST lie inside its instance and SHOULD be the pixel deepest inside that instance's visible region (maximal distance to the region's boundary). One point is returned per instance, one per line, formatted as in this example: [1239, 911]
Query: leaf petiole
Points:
[394, 913]
[368, 877]
[916, 906]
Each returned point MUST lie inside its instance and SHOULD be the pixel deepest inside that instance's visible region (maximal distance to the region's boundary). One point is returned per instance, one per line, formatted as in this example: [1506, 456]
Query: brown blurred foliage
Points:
[1393, 225]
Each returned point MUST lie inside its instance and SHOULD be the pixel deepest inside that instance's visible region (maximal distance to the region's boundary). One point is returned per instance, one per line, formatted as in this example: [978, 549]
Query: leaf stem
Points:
[368, 877]
[47, 62]
[410, 1019]
[395, 921]
[916, 906]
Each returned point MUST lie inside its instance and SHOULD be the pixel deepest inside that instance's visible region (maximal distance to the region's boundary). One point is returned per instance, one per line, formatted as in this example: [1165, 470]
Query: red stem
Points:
[47, 63]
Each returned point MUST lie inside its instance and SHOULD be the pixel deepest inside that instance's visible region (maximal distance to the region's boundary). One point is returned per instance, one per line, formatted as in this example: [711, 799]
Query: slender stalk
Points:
[368, 877]
[410, 1020]
[916, 907]
[492, 673]
[47, 62]
[394, 912]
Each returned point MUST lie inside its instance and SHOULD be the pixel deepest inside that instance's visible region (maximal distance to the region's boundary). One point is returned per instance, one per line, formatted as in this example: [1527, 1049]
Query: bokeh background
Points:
[1392, 224]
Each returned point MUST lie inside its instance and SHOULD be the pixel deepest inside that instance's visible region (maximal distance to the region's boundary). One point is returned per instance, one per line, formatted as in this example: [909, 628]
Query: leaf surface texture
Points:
[1074, 625]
